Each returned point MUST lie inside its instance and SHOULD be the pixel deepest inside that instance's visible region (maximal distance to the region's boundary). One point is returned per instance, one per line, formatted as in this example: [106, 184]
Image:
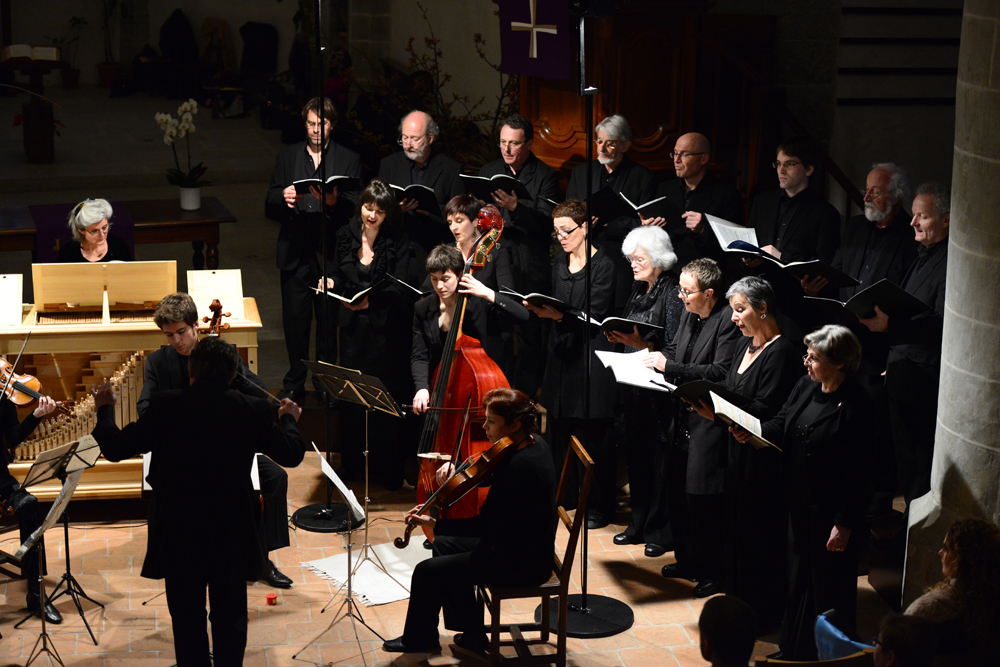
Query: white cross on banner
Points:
[534, 38]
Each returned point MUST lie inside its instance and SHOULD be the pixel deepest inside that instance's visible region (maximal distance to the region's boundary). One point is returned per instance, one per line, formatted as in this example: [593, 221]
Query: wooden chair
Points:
[557, 585]
[864, 658]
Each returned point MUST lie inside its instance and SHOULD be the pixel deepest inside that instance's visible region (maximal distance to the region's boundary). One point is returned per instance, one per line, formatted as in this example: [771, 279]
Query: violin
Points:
[467, 476]
[22, 390]
[215, 322]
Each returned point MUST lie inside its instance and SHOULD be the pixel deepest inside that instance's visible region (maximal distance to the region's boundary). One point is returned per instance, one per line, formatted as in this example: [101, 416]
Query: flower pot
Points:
[190, 199]
[109, 73]
[70, 78]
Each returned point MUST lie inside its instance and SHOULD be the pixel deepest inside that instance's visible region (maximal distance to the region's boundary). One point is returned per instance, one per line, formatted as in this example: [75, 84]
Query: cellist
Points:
[434, 316]
[509, 543]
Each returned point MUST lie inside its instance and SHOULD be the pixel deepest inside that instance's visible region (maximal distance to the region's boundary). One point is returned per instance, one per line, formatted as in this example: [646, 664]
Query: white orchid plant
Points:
[182, 128]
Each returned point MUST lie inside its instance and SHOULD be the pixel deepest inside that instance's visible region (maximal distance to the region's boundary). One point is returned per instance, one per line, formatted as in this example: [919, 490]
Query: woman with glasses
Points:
[565, 365]
[765, 367]
[825, 431]
[90, 222]
[648, 419]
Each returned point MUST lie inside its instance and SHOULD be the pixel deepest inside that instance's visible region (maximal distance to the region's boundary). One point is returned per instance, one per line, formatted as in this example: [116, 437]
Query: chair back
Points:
[576, 454]
[863, 658]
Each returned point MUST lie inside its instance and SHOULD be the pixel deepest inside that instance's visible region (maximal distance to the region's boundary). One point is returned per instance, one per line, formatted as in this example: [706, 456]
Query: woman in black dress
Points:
[565, 366]
[90, 223]
[374, 333]
[647, 416]
[765, 367]
[825, 431]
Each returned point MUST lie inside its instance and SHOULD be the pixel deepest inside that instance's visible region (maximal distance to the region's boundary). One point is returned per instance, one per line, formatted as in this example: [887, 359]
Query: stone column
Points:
[966, 473]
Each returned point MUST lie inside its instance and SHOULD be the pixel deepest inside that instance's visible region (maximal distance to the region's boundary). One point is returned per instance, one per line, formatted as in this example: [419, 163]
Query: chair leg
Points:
[561, 639]
[544, 632]
[495, 630]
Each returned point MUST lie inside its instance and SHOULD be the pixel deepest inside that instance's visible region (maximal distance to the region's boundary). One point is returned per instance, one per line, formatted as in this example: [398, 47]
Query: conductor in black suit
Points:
[615, 170]
[419, 163]
[702, 349]
[913, 365]
[300, 249]
[696, 192]
[203, 530]
[527, 233]
[167, 368]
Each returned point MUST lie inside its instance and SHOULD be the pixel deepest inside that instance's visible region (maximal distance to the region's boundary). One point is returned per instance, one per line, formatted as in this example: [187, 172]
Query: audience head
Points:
[885, 189]
[832, 353]
[700, 286]
[462, 212]
[569, 223]
[516, 134]
[614, 138]
[213, 359]
[970, 560]
[904, 641]
[931, 213]
[752, 300]
[90, 220]
[417, 131]
[177, 317]
[310, 114]
[508, 411]
[650, 251]
[444, 265]
[728, 630]
[796, 161]
[377, 207]
[691, 155]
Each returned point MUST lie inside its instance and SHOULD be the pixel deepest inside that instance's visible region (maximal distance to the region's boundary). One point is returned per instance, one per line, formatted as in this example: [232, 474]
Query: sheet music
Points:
[58, 507]
[628, 369]
[11, 292]
[727, 232]
[352, 501]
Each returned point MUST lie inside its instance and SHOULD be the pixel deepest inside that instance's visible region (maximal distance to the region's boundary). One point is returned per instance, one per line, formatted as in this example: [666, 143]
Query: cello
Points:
[464, 376]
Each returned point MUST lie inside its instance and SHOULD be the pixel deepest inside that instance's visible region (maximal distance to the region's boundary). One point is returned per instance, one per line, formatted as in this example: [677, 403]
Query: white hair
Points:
[899, 184]
[656, 242]
[86, 213]
[615, 128]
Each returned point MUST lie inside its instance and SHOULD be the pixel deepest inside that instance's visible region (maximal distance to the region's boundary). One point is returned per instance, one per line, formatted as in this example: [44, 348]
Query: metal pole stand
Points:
[44, 643]
[73, 587]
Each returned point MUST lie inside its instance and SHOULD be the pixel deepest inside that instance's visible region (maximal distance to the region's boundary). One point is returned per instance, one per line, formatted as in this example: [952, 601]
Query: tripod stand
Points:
[73, 587]
[44, 643]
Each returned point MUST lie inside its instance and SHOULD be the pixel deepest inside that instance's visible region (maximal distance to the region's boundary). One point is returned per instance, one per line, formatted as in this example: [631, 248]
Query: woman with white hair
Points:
[90, 222]
[648, 417]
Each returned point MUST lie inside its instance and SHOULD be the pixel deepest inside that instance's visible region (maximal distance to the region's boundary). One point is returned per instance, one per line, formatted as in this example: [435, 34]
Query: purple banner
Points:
[534, 38]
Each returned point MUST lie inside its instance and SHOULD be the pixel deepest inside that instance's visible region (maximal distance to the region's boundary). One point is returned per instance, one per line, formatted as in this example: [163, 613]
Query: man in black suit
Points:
[696, 192]
[300, 249]
[419, 163]
[203, 528]
[527, 233]
[613, 169]
[878, 245]
[167, 368]
[913, 365]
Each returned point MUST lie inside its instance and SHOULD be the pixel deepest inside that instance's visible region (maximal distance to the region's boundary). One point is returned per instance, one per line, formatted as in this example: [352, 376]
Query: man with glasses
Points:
[300, 250]
[527, 234]
[696, 192]
[419, 163]
[613, 169]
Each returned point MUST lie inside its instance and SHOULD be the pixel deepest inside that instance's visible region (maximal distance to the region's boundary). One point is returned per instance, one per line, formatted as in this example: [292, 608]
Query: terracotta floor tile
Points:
[647, 657]
[689, 656]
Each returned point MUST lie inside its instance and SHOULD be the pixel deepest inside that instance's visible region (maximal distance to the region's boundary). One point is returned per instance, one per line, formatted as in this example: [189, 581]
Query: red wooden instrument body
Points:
[464, 376]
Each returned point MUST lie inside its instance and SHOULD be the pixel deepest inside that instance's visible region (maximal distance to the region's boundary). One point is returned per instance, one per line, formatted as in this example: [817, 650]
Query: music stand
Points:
[67, 464]
[369, 392]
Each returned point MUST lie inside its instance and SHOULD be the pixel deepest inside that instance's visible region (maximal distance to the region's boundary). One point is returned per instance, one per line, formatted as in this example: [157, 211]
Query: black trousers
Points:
[298, 303]
[648, 430]
[885, 477]
[227, 595]
[274, 490]
[29, 518]
[913, 391]
[697, 523]
[446, 582]
[596, 437]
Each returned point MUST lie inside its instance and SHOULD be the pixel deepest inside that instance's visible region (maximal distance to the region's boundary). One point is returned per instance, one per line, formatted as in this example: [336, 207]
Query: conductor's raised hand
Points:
[104, 394]
[289, 407]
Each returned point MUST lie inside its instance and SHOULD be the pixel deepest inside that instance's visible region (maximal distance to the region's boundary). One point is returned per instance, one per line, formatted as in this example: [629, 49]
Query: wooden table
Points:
[156, 221]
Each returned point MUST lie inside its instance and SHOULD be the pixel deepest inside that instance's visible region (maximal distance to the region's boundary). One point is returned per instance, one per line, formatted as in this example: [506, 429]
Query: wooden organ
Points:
[81, 335]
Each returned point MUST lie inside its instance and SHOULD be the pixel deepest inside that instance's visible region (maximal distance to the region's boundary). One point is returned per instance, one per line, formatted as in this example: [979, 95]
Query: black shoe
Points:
[397, 645]
[777, 655]
[707, 588]
[428, 544]
[478, 646]
[596, 519]
[621, 539]
[295, 394]
[272, 577]
[674, 571]
[654, 550]
[52, 614]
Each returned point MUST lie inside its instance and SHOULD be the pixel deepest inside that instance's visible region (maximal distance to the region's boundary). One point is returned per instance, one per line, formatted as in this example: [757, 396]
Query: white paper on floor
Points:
[370, 584]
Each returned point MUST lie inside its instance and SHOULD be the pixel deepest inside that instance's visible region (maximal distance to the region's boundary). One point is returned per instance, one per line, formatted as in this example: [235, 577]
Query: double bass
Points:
[463, 377]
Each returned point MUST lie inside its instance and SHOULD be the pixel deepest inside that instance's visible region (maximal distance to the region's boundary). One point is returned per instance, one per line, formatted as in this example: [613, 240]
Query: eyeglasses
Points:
[674, 155]
[810, 360]
[876, 642]
[564, 233]
[610, 145]
[638, 261]
[684, 293]
[413, 141]
[97, 232]
[787, 165]
[514, 145]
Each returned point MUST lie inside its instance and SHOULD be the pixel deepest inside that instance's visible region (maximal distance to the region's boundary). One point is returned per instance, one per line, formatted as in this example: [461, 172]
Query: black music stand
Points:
[67, 464]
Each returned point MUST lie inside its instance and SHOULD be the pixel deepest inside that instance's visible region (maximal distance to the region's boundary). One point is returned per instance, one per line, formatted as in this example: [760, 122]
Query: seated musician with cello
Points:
[509, 543]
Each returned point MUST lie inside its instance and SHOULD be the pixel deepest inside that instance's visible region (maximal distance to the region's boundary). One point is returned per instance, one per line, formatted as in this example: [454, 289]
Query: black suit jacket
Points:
[442, 176]
[299, 239]
[527, 231]
[826, 469]
[710, 360]
[12, 434]
[711, 196]
[813, 233]
[204, 439]
[918, 339]
[638, 184]
[892, 262]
